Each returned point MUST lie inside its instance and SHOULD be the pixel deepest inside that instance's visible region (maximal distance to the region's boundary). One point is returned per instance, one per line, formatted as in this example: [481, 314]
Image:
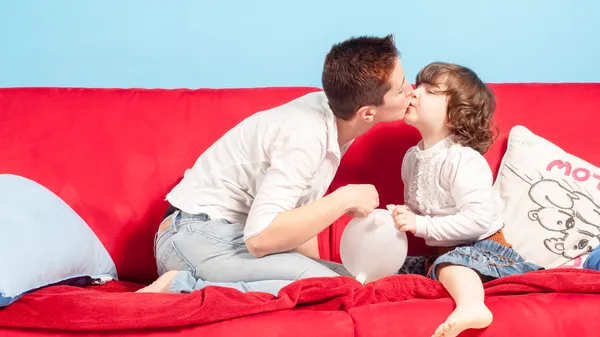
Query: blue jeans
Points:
[593, 261]
[209, 251]
[488, 258]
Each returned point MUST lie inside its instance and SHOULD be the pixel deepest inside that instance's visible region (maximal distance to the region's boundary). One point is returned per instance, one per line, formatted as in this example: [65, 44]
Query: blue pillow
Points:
[44, 242]
[593, 261]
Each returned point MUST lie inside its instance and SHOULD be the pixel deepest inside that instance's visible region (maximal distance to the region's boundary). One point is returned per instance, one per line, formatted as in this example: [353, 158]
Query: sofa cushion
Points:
[555, 314]
[550, 201]
[292, 323]
[44, 242]
[114, 307]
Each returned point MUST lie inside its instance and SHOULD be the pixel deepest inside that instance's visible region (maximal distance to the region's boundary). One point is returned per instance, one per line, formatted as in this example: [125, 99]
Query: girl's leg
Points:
[466, 288]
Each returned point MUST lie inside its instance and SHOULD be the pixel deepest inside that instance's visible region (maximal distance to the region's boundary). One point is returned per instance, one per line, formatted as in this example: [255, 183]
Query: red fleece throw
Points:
[114, 305]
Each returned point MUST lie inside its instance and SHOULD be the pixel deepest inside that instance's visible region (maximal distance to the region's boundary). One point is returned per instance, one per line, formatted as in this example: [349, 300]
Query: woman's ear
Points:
[366, 113]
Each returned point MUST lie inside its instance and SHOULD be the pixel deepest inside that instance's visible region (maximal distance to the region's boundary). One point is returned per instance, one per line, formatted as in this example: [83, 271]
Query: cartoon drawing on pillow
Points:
[564, 209]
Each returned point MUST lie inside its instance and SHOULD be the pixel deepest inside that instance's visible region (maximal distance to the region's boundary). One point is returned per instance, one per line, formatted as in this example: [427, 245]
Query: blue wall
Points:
[199, 43]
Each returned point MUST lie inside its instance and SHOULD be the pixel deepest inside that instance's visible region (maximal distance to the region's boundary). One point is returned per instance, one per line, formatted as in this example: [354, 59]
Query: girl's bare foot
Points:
[161, 285]
[467, 316]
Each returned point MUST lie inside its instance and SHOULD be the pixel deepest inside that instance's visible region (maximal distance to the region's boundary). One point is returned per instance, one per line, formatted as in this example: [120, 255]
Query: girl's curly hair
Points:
[471, 103]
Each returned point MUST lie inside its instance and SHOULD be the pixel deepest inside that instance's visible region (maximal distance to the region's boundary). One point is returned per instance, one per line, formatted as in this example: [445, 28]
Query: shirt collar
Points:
[439, 147]
[332, 130]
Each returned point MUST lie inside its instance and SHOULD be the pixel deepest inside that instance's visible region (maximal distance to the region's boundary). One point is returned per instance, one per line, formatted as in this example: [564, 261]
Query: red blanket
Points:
[114, 306]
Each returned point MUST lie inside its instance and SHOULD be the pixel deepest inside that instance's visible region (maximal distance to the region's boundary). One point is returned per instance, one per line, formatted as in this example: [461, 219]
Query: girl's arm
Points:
[469, 178]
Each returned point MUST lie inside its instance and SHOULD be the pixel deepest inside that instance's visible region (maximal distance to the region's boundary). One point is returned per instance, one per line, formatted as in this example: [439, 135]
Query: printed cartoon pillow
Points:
[550, 201]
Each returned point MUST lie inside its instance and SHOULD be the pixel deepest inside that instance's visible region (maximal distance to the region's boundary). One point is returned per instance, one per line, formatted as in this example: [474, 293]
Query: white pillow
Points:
[44, 242]
[550, 201]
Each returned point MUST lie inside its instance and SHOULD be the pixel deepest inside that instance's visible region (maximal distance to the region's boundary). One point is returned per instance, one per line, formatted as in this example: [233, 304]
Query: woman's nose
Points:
[410, 90]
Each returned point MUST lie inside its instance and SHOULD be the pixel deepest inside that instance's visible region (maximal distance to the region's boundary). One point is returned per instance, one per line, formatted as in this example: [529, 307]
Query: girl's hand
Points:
[405, 220]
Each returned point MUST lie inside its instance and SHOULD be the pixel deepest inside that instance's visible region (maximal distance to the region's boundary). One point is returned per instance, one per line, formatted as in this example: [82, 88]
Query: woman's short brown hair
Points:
[356, 73]
[471, 103]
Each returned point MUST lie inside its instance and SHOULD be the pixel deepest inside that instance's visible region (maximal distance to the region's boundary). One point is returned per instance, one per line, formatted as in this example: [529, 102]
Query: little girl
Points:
[448, 193]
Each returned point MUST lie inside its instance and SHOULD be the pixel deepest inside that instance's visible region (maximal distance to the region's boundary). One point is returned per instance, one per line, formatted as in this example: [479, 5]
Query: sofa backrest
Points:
[113, 154]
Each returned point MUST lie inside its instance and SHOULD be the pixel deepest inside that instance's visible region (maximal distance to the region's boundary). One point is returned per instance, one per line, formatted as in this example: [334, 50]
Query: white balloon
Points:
[372, 248]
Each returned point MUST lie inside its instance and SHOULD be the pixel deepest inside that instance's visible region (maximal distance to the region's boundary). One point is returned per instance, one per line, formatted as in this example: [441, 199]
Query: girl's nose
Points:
[415, 94]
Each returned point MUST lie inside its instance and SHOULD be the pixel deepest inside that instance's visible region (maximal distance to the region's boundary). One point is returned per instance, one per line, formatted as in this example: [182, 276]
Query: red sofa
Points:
[113, 154]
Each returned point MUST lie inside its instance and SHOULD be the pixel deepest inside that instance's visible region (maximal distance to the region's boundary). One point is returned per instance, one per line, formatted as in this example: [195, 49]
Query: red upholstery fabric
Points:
[114, 307]
[112, 154]
[520, 315]
[274, 324]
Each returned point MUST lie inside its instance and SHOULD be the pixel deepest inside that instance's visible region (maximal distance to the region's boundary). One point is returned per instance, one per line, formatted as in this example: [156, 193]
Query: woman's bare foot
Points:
[467, 316]
[161, 285]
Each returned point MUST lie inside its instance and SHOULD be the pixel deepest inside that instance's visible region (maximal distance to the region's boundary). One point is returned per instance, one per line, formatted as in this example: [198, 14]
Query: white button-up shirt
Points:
[273, 161]
[449, 187]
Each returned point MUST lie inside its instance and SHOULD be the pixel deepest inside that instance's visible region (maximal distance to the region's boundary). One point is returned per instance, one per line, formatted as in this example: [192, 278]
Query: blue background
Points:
[192, 44]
